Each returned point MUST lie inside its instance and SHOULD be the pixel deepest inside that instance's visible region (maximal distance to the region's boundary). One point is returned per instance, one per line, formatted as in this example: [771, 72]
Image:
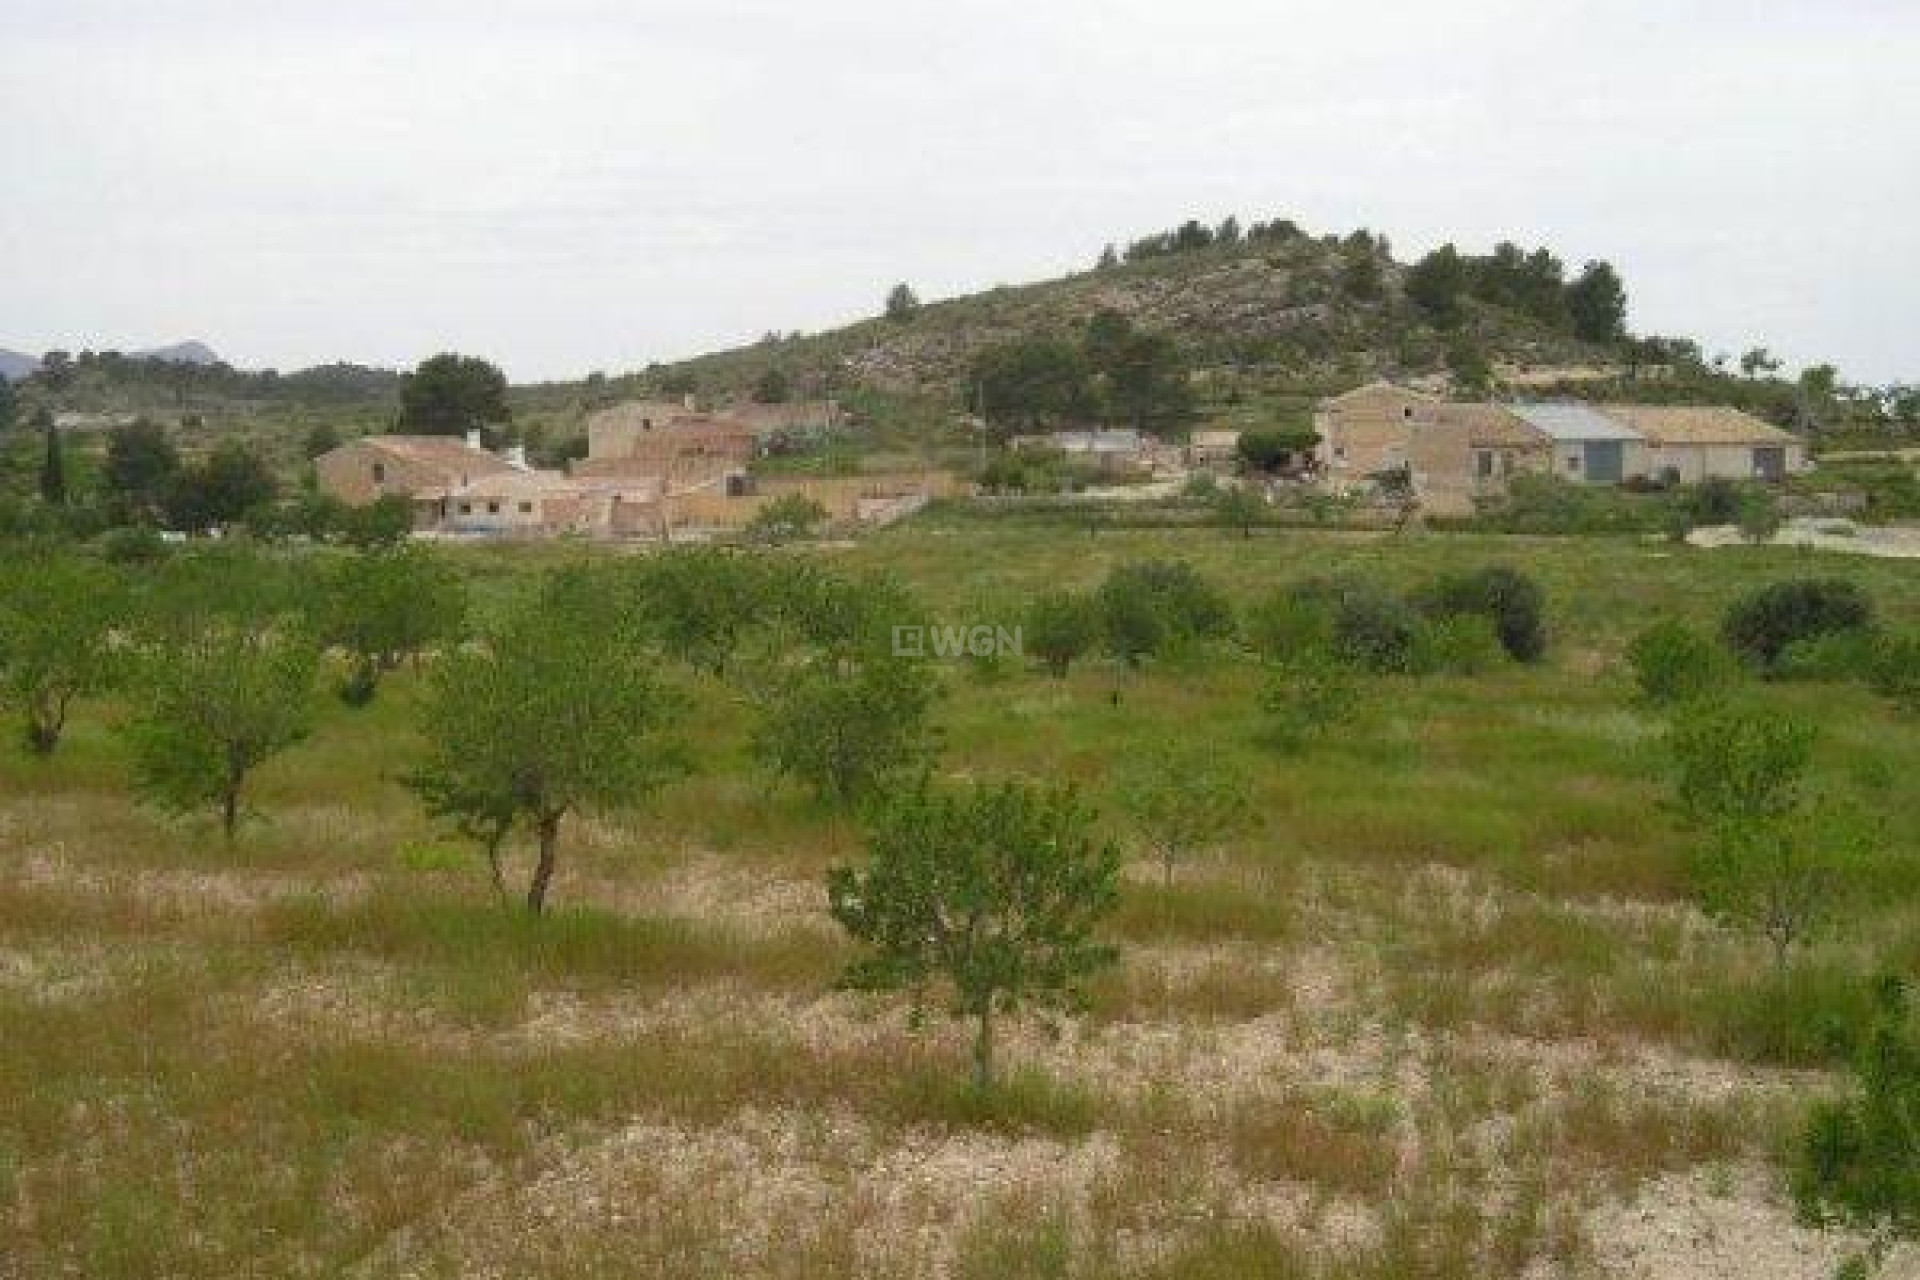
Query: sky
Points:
[571, 185]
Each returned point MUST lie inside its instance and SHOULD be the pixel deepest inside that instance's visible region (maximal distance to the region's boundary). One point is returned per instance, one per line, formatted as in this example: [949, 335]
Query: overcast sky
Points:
[572, 185]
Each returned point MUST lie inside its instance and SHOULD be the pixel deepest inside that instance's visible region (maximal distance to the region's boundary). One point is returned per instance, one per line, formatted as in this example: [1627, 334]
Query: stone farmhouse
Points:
[1455, 452]
[653, 470]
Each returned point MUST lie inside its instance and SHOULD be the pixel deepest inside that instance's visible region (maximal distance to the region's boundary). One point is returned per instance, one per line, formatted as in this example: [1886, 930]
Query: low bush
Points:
[1307, 697]
[1834, 656]
[1507, 598]
[1762, 624]
[1367, 625]
[1463, 645]
[1673, 663]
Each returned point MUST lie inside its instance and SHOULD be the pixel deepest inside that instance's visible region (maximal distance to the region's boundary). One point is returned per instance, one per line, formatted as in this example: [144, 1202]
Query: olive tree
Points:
[540, 719]
[211, 706]
[1184, 802]
[994, 891]
[58, 614]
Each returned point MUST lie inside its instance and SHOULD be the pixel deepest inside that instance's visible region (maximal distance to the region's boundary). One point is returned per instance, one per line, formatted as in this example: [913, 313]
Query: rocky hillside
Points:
[1310, 307]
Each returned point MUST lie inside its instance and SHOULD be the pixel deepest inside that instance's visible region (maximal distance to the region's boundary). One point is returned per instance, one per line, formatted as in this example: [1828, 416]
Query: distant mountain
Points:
[192, 351]
[15, 365]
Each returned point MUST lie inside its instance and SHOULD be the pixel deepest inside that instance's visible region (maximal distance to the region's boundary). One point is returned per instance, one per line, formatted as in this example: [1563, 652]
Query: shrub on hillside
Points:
[1674, 663]
[1762, 624]
[1507, 598]
[1288, 622]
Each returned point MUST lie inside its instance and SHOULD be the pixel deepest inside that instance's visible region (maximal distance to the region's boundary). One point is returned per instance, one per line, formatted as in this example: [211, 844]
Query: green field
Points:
[1447, 1011]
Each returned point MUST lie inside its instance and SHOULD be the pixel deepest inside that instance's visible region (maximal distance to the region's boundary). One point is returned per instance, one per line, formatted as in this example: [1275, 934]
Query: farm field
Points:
[1445, 1010]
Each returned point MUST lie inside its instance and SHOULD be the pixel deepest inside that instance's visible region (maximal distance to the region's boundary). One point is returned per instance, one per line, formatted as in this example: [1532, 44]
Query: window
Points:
[379, 473]
[1573, 462]
[493, 508]
[1486, 463]
[526, 508]
[1406, 411]
[466, 508]
[1340, 452]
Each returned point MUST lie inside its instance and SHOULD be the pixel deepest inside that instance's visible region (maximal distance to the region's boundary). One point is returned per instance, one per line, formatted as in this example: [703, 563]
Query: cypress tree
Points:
[53, 470]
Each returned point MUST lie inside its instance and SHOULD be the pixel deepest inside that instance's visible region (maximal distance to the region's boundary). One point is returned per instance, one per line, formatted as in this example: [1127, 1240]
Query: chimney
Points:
[517, 457]
[688, 403]
[473, 439]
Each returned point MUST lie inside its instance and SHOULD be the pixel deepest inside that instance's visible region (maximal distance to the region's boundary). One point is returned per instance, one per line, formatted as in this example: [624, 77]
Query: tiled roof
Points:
[449, 453]
[1698, 424]
[1491, 425]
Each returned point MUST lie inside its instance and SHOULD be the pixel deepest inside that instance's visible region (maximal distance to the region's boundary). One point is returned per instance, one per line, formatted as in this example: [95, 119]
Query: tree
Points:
[1109, 259]
[790, 516]
[1767, 860]
[542, 719]
[1270, 450]
[322, 438]
[450, 394]
[698, 604]
[1146, 380]
[997, 891]
[902, 302]
[1308, 694]
[58, 613]
[1060, 626]
[772, 387]
[1674, 663]
[1150, 603]
[847, 735]
[226, 486]
[212, 706]
[1028, 380]
[1859, 1159]
[1435, 285]
[1504, 596]
[1184, 802]
[1239, 508]
[141, 465]
[379, 607]
[1761, 625]
[1360, 273]
[1597, 303]
[9, 404]
[53, 461]
[1467, 362]
[1757, 361]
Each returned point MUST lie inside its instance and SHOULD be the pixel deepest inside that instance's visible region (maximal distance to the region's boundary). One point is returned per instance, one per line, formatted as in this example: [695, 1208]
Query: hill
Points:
[1319, 308]
[15, 365]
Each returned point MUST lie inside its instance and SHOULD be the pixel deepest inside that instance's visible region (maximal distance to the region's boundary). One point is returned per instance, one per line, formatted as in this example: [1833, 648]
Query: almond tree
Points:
[58, 614]
[213, 705]
[539, 720]
[995, 892]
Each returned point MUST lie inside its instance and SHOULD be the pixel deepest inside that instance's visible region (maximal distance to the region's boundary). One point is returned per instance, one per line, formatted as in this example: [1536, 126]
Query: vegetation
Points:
[1060, 627]
[451, 394]
[1184, 803]
[212, 706]
[1674, 663]
[58, 615]
[1764, 624]
[329, 1049]
[997, 891]
[541, 720]
[1860, 1159]
[380, 607]
[786, 518]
